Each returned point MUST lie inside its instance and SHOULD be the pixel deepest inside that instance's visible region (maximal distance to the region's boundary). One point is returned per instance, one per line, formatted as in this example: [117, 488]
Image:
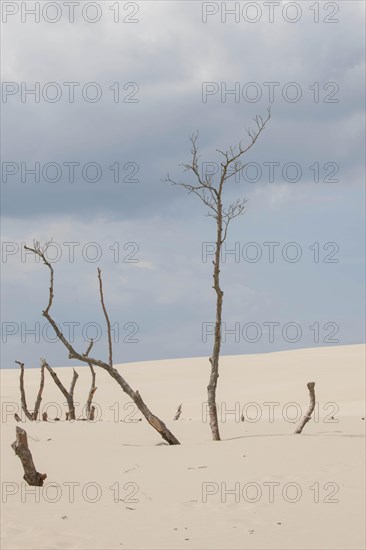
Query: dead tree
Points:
[21, 449]
[211, 194]
[34, 414]
[307, 417]
[69, 395]
[153, 420]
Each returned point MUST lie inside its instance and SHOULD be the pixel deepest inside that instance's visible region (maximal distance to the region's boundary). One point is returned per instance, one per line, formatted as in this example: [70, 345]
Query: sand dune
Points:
[114, 483]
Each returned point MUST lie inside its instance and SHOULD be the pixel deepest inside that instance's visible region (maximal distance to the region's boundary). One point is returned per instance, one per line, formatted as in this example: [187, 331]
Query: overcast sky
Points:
[159, 79]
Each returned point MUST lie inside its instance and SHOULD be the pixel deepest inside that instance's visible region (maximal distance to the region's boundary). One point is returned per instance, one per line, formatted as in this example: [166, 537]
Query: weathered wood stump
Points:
[21, 449]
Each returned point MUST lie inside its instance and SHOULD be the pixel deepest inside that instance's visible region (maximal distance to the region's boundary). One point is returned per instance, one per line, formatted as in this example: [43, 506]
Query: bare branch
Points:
[75, 376]
[235, 156]
[153, 420]
[89, 348]
[234, 210]
[106, 317]
[34, 414]
[92, 391]
[41, 252]
[69, 395]
[39, 396]
[22, 392]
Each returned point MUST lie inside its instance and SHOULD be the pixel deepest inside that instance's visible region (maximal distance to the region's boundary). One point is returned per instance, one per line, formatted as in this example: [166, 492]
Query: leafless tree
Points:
[211, 194]
[153, 420]
[34, 414]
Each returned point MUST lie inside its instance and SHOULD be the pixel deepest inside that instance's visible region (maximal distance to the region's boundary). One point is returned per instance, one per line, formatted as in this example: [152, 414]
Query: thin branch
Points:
[75, 376]
[39, 396]
[89, 348]
[23, 398]
[106, 317]
[69, 395]
[34, 414]
[41, 252]
[92, 391]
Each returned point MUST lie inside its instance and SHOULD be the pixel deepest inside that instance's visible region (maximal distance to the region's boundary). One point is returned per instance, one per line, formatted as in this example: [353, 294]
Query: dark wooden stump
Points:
[21, 449]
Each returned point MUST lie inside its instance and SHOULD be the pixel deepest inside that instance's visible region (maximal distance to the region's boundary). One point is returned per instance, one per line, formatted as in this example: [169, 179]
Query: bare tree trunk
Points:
[178, 413]
[34, 414]
[214, 359]
[69, 395]
[20, 447]
[307, 417]
[22, 392]
[92, 391]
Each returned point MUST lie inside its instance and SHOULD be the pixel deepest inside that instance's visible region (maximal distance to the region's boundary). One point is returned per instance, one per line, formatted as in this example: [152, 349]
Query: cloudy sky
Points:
[118, 88]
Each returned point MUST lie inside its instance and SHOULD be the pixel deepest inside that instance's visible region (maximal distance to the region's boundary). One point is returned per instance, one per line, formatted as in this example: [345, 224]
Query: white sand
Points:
[170, 510]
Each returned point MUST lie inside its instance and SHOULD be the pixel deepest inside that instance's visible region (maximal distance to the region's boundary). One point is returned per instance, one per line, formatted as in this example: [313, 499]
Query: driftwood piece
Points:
[178, 413]
[69, 395]
[309, 412]
[21, 449]
[17, 417]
